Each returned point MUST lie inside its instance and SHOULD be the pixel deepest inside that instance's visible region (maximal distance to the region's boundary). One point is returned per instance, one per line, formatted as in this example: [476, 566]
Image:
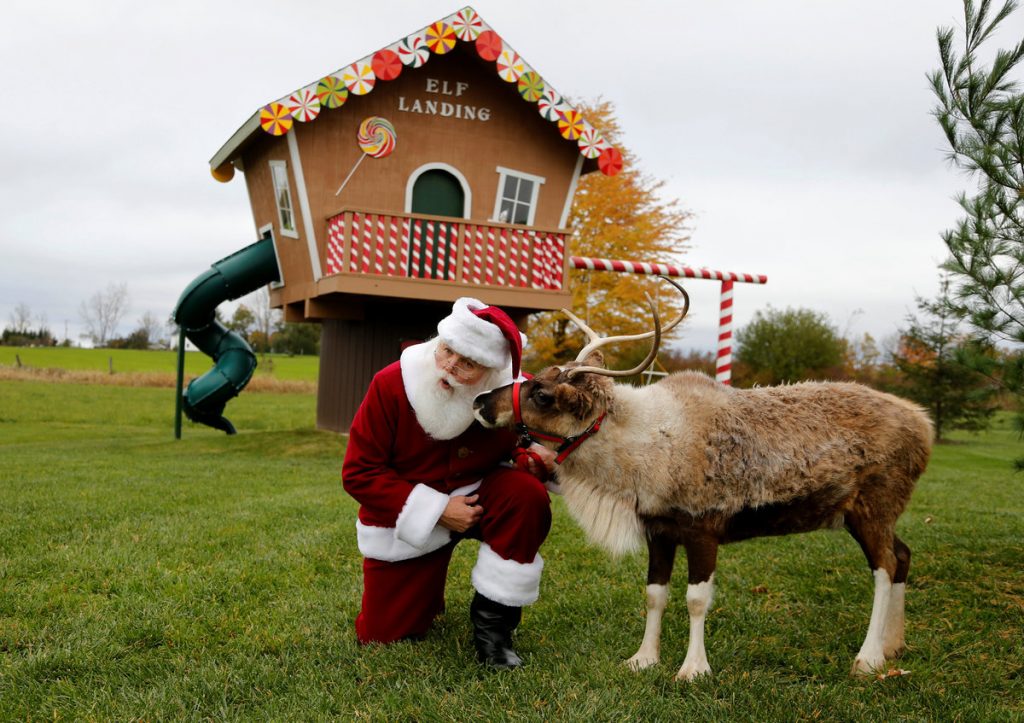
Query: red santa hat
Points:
[485, 334]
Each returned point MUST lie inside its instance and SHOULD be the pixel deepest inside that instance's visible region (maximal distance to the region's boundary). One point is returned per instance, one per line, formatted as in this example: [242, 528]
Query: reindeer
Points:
[692, 462]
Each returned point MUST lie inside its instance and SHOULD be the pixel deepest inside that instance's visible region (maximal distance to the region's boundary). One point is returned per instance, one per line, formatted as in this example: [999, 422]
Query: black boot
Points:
[493, 624]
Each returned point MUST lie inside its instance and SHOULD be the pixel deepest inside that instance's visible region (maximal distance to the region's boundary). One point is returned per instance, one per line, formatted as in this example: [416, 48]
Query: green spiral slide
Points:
[234, 361]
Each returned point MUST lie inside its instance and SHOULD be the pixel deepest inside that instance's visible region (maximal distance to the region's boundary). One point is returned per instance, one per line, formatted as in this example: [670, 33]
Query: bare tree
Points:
[153, 329]
[266, 319]
[171, 330]
[102, 312]
[21, 318]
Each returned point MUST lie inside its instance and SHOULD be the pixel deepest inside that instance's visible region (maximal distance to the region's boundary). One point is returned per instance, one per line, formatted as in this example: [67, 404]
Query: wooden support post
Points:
[180, 384]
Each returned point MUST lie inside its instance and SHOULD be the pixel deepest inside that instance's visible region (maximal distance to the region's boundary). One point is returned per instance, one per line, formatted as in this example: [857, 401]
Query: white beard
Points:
[443, 413]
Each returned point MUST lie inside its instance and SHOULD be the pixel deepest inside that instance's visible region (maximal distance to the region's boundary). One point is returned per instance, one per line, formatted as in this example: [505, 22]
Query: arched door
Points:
[436, 192]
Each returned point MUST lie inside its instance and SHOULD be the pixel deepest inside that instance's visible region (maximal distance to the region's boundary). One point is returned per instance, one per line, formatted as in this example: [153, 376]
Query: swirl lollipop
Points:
[376, 138]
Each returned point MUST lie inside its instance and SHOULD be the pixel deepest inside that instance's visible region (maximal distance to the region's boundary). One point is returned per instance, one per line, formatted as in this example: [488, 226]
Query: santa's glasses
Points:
[454, 363]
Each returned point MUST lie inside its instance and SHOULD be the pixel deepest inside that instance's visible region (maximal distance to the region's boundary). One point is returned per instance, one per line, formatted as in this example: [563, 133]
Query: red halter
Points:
[566, 444]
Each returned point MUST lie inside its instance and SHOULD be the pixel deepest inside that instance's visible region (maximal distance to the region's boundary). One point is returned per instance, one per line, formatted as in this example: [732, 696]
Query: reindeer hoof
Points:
[691, 671]
[894, 647]
[867, 666]
[896, 651]
[641, 662]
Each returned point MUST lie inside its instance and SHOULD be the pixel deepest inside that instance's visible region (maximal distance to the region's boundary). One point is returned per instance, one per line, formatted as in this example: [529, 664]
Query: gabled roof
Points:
[361, 77]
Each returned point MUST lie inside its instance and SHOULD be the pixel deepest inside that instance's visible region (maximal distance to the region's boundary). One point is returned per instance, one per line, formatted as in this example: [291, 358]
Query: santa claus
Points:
[426, 475]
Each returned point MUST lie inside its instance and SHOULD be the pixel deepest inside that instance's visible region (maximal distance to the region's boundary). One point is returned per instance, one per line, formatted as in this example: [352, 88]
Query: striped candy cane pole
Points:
[491, 261]
[723, 367]
[417, 247]
[393, 246]
[478, 255]
[453, 250]
[441, 257]
[428, 250]
[367, 244]
[502, 262]
[634, 267]
[556, 260]
[353, 260]
[405, 247]
[335, 245]
[379, 243]
[526, 242]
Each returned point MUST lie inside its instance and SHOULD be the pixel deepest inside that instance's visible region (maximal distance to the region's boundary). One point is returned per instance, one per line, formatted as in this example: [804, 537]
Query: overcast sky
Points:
[797, 131]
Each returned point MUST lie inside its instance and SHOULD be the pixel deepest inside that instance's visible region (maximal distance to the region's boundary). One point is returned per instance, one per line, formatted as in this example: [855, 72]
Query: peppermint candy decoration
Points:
[591, 142]
[304, 105]
[467, 24]
[359, 78]
[489, 45]
[332, 92]
[530, 86]
[570, 124]
[610, 161]
[510, 66]
[440, 38]
[386, 64]
[275, 119]
[413, 51]
[550, 105]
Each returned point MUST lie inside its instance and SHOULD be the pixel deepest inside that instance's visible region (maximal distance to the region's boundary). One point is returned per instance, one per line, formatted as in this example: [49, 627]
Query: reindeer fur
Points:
[692, 462]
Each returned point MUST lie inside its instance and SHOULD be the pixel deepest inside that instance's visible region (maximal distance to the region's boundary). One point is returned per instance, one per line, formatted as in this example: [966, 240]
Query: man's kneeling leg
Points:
[401, 599]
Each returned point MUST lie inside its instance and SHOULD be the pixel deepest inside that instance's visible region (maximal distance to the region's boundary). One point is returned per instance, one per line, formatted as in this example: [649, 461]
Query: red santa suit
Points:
[403, 477]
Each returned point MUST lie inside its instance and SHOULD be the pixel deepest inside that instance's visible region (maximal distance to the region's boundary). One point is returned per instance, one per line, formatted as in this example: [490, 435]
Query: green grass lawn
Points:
[217, 577]
[280, 366]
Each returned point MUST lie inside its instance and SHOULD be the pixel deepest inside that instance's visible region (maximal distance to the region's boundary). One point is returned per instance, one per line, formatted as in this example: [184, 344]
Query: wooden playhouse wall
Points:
[513, 136]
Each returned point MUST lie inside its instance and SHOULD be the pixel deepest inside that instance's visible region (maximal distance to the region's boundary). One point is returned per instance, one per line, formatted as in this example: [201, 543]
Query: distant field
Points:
[286, 368]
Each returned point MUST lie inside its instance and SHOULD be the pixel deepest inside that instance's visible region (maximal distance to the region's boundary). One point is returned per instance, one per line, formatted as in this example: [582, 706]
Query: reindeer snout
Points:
[484, 411]
[480, 410]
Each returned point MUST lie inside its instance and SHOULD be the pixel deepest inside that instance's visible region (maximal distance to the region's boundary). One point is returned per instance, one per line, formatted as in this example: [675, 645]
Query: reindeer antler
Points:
[596, 341]
[640, 367]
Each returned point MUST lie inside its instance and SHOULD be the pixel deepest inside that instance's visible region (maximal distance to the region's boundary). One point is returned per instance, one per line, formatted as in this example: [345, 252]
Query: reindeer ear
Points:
[573, 400]
[594, 359]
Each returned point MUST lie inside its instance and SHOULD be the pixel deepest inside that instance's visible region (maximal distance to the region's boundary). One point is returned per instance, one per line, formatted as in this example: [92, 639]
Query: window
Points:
[517, 197]
[283, 197]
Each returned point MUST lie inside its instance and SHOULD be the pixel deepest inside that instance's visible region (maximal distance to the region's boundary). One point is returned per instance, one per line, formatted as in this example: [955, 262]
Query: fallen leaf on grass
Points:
[893, 673]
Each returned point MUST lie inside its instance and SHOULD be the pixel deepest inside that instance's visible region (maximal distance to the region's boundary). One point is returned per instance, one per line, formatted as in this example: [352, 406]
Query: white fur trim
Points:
[473, 337]
[506, 581]
[552, 486]
[420, 513]
[380, 543]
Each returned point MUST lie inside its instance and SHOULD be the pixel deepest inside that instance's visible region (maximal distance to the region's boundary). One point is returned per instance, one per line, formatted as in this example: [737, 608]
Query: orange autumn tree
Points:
[618, 217]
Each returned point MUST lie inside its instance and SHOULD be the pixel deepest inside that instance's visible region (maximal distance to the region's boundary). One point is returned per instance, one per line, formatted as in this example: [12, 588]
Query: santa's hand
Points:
[547, 456]
[461, 513]
[535, 459]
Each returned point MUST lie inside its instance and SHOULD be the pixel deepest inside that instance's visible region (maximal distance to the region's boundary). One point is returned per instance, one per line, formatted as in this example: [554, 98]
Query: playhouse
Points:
[437, 167]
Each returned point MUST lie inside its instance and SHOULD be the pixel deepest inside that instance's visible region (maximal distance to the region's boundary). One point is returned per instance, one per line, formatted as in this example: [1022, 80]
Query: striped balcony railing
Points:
[442, 249]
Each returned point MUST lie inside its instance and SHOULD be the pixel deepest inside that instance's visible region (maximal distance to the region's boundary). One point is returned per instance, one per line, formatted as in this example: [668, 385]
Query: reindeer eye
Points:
[542, 398]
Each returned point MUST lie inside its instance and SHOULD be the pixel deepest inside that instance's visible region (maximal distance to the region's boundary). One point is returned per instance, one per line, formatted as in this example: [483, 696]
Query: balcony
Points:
[418, 256]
